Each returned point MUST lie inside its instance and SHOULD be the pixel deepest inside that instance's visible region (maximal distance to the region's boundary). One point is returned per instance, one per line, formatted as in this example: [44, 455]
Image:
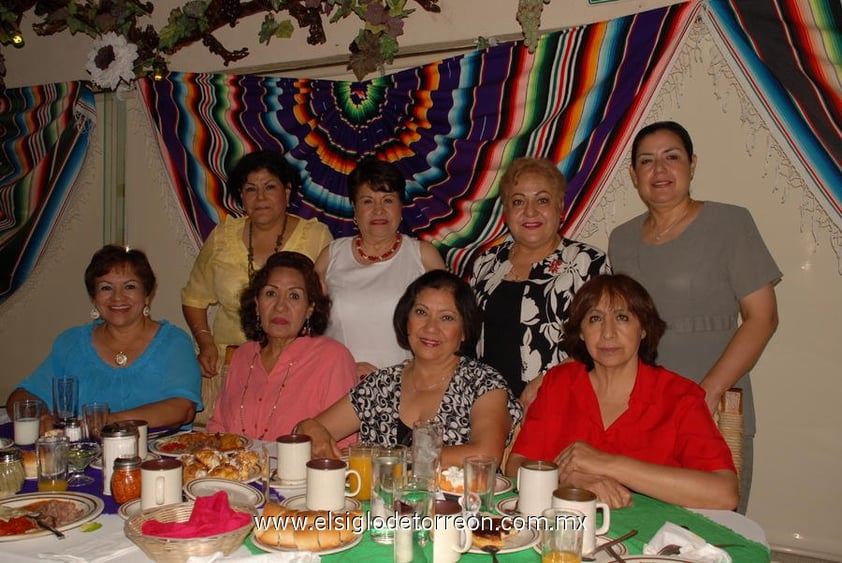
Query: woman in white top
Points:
[366, 274]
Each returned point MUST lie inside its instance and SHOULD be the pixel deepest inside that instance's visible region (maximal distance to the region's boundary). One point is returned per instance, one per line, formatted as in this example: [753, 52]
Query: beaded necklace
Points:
[278, 243]
[274, 405]
[358, 246]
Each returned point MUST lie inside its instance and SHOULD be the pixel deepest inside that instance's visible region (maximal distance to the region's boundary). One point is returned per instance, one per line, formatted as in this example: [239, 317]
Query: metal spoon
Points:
[492, 549]
[42, 522]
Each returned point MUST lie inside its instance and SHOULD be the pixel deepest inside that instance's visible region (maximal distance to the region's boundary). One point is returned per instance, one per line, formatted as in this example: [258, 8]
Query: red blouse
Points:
[667, 421]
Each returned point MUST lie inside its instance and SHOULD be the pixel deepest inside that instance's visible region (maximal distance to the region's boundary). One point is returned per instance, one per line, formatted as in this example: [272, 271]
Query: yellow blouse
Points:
[221, 271]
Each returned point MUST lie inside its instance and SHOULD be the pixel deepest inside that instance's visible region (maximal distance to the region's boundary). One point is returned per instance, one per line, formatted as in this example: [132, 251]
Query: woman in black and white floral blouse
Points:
[524, 286]
[438, 321]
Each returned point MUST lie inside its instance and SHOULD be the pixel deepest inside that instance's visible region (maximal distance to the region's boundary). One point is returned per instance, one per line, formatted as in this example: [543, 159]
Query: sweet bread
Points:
[490, 532]
[308, 530]
[452, 480]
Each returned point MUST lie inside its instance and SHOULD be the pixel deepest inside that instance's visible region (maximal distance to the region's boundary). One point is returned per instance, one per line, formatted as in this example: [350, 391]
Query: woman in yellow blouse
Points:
[261, 183]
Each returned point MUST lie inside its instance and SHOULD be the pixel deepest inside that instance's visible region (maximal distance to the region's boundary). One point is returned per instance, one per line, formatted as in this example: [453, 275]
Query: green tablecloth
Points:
[646, 515]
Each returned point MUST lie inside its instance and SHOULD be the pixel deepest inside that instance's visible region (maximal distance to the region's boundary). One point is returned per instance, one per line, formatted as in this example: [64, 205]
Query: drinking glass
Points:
[51, 454]
[388, 475]
[65, 397]
[413, 503]
[96, 416]
[79, 457]
[427, 439]
[359, 459]
[26, 415]
[561, 535]
[479, 483]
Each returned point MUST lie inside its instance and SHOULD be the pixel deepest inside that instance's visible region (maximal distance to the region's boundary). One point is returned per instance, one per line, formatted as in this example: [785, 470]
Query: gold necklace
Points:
[274, 405]
[426, 387]
[278, 243]
[674, 223]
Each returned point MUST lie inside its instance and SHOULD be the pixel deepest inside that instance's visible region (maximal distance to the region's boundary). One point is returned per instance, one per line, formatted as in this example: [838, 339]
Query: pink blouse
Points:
[309, 376]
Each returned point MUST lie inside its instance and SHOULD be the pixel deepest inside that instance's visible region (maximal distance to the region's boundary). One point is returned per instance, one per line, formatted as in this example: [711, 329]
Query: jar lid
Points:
[10, 454]
[127, 462]
[118, 430]
[72, 423]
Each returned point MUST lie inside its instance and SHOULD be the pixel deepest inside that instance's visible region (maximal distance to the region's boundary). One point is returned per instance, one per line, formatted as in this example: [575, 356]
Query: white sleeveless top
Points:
[364, 299]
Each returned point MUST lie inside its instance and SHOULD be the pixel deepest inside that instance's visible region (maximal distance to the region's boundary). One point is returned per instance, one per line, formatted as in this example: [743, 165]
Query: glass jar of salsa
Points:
[125, 480]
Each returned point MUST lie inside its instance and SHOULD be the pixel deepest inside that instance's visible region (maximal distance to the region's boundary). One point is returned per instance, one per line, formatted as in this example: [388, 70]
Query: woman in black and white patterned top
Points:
[437, 319]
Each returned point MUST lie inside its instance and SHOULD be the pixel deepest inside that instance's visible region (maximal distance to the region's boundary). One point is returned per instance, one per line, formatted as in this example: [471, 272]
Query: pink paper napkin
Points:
[211, 516]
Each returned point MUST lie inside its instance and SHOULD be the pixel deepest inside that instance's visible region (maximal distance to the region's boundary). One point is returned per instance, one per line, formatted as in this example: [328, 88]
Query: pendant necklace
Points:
[274, 405]
[358, 246]
[278, 243]
[658, 236]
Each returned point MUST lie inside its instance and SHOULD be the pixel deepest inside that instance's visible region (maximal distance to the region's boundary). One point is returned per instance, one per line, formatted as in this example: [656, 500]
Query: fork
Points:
[673, 549]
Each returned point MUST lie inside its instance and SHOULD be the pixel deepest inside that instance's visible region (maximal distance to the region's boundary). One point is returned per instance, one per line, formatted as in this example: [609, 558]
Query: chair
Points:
[508, 450]
[729, 417]
[211, 388]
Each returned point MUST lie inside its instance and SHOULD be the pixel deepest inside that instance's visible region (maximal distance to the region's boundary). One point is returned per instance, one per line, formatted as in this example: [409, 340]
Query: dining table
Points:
[745, 539]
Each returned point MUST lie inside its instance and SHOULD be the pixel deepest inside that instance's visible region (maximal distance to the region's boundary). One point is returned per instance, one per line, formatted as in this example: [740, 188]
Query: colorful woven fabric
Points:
[44, 134]
[790, 53]
[451, 127]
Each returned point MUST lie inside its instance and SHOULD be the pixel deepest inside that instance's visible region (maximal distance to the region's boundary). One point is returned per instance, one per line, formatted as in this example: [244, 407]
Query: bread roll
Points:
[282, 536]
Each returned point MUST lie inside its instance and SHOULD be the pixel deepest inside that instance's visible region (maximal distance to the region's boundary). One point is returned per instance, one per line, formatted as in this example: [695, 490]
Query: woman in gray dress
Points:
[706, 266]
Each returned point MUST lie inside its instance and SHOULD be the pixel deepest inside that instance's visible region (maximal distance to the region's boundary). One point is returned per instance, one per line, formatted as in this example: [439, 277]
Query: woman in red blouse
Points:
[614, 421]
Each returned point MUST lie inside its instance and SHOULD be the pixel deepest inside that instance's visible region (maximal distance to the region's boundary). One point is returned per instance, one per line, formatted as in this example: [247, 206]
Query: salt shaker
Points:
[72, 429]
[118, 440]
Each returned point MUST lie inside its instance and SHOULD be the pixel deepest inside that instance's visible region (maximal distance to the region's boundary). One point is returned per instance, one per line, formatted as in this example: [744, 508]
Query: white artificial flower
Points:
[117, 56]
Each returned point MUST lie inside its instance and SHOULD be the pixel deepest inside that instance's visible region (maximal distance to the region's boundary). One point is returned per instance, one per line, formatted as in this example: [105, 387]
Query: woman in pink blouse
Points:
[287, 370]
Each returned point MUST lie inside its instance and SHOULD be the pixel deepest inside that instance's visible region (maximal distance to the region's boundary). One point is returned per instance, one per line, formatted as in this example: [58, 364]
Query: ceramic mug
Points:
[326, 484]
[293, 455]
[142, 437]
[584, 501]
[160, 482]
[449, 542]
[536, 481]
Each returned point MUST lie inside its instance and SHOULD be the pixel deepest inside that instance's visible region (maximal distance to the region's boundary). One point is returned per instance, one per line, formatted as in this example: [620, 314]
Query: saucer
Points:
[237, 492]
[299, 502]
[129, 509]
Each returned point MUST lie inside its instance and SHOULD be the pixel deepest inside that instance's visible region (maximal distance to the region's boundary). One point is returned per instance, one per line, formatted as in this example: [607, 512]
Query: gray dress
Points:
[696, 281]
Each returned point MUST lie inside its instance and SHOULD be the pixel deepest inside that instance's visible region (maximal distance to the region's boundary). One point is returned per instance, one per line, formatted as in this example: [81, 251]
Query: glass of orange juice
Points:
[562, 531]
[51, 453]
[359, 459]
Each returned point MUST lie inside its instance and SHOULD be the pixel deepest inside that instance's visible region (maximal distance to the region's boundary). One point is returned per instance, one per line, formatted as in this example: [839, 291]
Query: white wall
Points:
[796, 381]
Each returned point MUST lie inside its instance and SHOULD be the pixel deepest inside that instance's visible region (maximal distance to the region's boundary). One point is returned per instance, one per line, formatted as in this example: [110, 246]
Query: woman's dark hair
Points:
[112, 256]
[270, 161]
[618, 288]
[379, 175]
[671, 126]
[466, 304]
[248, 299]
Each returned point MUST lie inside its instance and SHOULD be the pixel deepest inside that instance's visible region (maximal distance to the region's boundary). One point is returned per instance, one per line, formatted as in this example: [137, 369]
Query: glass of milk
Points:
[27, 421]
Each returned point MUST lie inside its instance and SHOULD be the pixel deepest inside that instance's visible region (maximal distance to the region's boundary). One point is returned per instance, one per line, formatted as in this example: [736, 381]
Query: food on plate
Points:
[15, 521]
[452, 480]
[308, 529]
[235, 465]
[191, 442]
[491, 532]
[30, 464]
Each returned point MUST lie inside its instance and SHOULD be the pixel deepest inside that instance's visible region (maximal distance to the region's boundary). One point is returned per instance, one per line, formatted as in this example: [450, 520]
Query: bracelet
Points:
[198, 332]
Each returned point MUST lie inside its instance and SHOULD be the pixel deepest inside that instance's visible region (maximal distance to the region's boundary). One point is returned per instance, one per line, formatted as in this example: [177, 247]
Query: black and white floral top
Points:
[377, 400]
[546, 297]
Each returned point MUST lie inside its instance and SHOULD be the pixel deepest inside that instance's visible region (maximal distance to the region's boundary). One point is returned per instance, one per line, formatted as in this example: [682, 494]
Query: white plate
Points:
[343, 547]
[5, 443]
[507, 506]
[129, 509]
[299, 502]
[156, 445]
[97, 462]
[603, 557]
[237, 492]
[90, 505]
[516, 542]
[651, 558]
[502, 485]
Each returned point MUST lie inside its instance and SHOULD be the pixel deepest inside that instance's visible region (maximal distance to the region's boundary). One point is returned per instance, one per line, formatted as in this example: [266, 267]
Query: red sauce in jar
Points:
[125, 481]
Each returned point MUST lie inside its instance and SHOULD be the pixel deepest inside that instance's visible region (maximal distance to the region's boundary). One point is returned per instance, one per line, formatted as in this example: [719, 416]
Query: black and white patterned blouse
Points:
[546, 297]
[377, 400]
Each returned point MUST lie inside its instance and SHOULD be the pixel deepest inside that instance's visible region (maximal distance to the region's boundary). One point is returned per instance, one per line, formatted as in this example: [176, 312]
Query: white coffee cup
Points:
[585, 502]
[160, 482]
[449, 542]
[326, 484]
[536, 481]
[293, 455]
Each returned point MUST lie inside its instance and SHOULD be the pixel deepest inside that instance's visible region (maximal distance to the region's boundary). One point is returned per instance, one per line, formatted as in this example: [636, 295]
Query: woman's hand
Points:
[322, 443]
[582, 457]
[208, 358]
[608, 490]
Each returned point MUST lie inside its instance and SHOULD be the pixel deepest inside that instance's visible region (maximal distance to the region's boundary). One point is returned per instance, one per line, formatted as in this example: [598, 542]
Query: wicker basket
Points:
[178, 549]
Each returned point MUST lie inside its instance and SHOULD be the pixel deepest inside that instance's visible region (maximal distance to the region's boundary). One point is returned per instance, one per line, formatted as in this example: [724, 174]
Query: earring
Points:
[146, 310]
[305, 331]
[95, 314]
